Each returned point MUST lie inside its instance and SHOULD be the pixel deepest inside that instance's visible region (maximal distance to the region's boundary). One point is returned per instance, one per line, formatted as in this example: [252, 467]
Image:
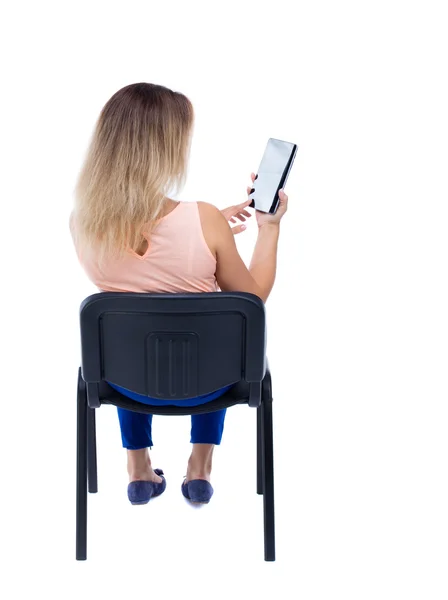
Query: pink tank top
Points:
[178, 259]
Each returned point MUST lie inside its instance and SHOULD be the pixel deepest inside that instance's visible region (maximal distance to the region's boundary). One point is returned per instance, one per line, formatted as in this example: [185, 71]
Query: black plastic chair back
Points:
[173, 346]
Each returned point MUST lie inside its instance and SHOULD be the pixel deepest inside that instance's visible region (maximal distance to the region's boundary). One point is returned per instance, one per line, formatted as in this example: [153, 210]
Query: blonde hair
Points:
[138, 155]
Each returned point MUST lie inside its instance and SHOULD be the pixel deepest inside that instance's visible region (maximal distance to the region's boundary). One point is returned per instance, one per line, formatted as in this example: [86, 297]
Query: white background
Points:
[357, 320]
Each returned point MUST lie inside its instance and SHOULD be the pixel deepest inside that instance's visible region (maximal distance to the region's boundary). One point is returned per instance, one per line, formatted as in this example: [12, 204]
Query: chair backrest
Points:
[173, 346]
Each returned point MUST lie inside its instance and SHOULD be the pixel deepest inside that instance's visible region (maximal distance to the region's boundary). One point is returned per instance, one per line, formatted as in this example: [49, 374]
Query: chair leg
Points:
[259, 451]
[92, 473]
[81, 473]
[268, 481]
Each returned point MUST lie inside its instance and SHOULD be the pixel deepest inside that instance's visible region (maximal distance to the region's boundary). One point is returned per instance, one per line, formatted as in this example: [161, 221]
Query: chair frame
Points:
[86, 463]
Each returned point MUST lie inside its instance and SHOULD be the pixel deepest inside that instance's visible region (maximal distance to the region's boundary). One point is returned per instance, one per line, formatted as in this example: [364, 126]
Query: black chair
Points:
[173, 346]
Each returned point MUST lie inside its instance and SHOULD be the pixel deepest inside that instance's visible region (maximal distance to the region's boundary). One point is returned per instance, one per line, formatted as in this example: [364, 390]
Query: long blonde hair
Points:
[138, 155]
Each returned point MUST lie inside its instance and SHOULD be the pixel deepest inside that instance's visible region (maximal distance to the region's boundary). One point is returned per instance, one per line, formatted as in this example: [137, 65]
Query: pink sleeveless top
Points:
[178, 259]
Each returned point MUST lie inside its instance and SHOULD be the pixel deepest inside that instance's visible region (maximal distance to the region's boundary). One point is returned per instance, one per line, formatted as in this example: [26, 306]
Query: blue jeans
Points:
[136, 428]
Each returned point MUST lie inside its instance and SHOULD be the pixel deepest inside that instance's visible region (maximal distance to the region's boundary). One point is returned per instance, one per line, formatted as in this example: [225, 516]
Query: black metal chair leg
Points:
[92, 473]
[268, 481]
[81, 473]
[259, 451]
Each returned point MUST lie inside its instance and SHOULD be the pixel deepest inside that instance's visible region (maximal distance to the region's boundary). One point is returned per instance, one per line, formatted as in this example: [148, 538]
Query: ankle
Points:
[200, 463]
[193, 474]
[199, 469]
[138, 461]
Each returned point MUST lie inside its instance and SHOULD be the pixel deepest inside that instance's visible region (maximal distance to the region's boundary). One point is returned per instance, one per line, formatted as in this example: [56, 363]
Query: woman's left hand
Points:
[237, 212]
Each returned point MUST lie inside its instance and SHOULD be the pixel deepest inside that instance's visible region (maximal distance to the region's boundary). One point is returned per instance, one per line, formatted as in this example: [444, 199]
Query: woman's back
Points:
[176, 258]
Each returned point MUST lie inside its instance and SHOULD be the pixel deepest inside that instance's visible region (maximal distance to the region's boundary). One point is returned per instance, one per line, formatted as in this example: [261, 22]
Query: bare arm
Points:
[231, 272]
[263, 265]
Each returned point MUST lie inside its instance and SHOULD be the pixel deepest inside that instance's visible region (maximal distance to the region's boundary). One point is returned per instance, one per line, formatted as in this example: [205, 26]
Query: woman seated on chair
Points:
[130, 236]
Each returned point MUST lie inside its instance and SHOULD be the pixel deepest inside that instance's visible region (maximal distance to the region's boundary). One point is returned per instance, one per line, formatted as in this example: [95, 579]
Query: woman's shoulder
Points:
[207, 210]
[209, 217]
[207, 206]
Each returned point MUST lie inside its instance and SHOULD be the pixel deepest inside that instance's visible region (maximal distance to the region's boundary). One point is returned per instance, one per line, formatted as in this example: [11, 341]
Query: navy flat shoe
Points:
[141, 492]
[198, 491]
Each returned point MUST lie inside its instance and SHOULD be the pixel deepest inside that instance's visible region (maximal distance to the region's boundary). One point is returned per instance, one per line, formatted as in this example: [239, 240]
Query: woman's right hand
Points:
[267, 218]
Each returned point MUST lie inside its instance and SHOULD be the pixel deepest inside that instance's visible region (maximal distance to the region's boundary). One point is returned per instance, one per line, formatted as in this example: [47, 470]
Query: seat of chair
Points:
[238, 394]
